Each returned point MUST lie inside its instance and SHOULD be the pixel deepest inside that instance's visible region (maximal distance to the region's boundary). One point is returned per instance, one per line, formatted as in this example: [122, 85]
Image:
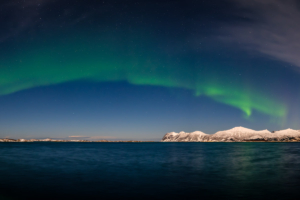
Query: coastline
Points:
[137, 141]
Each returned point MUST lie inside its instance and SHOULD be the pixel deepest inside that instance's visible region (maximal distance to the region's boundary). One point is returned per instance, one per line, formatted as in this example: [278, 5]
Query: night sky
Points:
[132, 69]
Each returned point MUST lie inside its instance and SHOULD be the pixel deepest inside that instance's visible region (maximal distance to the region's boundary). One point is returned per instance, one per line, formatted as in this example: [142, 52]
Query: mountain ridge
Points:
[236, 134]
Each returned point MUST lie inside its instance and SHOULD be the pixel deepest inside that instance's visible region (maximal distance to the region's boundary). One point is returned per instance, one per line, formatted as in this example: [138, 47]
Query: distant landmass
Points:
[54, 140]
[237, 134]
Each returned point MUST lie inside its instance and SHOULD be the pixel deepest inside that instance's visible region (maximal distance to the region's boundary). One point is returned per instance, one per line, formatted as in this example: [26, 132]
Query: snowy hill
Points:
[196, 136]
[240, 134]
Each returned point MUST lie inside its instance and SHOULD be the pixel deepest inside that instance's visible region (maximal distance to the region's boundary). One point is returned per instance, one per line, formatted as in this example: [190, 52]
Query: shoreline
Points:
[52, 140]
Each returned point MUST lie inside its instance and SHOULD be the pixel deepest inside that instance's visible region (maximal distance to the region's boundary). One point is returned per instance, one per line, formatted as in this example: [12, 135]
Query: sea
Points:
[149, 170]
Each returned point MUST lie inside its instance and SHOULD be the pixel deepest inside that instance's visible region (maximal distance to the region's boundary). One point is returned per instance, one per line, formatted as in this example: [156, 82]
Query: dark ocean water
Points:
[149, 170]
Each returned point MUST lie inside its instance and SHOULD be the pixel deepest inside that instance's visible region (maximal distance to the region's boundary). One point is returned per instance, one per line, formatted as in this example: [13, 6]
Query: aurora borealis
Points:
[134, 45]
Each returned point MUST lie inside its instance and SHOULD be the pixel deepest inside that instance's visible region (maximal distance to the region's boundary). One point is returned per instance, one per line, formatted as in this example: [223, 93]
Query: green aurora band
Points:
[52, 63]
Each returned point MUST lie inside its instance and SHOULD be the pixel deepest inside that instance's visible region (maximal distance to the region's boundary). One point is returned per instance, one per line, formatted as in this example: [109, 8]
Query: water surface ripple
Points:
[45, 170]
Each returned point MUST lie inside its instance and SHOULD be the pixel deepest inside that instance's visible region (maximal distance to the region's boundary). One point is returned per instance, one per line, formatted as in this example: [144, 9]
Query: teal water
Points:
[149, 170]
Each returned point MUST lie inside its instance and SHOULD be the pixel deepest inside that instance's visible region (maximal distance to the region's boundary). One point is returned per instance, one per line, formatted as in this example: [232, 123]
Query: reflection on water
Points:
[149, 170]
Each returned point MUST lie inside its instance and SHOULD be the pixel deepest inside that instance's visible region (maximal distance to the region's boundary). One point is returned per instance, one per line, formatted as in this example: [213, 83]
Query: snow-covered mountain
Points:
[237, 134]
[196, 136]
[287, 133]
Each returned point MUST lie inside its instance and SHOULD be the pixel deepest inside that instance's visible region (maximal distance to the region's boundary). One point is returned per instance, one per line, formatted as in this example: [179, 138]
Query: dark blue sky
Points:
[139, 69]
